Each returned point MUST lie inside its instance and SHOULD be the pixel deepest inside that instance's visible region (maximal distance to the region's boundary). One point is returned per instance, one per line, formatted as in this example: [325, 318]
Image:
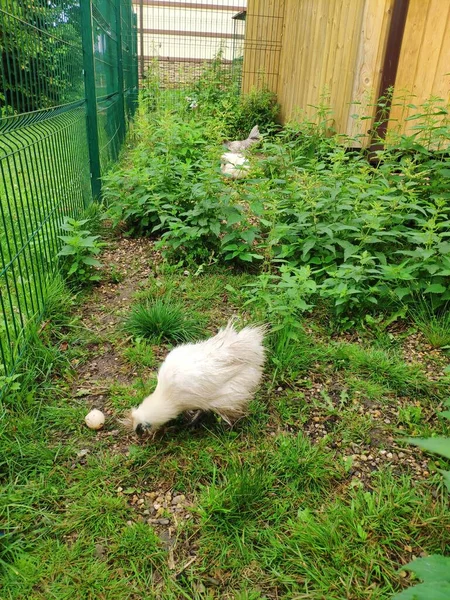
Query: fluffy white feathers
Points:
[219, 374]
[234, 164]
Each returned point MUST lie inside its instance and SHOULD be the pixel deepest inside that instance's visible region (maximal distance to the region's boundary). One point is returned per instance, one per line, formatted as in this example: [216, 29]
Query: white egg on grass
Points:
[95, 419]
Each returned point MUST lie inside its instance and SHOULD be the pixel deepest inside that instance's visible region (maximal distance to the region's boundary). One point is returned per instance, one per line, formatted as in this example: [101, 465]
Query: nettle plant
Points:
[79, 252]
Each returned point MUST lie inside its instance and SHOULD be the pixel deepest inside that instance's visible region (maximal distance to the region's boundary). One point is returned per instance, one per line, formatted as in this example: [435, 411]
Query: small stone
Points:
[99, 551]
[401, 454]
[387, 421]
[162, 521]
[140, 501]
[146, 512]
[129, 523]
[157, 506]
[119, 489]
[364, 458]
[178, 499]
[389, 455]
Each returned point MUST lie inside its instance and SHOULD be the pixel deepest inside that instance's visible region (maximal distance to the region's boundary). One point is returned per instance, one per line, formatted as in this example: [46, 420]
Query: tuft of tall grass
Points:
[163, 320]
[435, 325]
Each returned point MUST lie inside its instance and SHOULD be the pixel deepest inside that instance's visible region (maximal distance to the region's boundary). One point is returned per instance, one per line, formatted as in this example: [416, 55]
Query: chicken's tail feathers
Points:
[258, 328]
[254, 133]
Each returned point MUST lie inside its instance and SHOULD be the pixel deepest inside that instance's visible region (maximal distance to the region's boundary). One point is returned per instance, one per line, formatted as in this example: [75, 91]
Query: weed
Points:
[411, 415]
[383, 368]
[79, 252]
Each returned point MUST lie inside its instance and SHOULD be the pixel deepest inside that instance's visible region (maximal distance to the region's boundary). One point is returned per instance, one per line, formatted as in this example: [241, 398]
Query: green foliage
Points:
[174, 188]
[359, 238]
[79, 252]
[163, 320]
[435, 574]
[284, 296]
[53, 70]
[438, 444]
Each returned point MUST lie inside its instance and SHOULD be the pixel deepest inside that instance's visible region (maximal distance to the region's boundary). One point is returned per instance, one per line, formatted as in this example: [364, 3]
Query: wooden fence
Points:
[345, 53]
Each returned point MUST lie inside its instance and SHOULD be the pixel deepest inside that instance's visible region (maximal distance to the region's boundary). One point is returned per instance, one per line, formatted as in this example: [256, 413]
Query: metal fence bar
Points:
[91, 97]
[68, 88]
[120, 67]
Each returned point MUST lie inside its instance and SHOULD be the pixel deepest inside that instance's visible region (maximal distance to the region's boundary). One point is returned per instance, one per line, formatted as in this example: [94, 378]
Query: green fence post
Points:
[90, 96]
[135, 61]
[120, 69]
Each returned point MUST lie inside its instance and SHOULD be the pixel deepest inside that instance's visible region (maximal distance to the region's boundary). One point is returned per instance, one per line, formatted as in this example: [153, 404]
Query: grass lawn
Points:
[313, 495]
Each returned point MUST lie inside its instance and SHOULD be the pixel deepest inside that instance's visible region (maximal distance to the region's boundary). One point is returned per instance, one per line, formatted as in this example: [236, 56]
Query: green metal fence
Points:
[68, 87]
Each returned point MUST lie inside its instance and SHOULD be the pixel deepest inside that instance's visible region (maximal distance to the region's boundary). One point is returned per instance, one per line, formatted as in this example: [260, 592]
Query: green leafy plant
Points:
[79, 252]
[435, 573]
[438, 445]
[284, 296]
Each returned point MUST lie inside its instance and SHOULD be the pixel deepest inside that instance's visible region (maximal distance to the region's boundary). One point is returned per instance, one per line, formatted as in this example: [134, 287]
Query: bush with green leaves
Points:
[171, 186]
[156, 181]
[373, 235]
[79, 252]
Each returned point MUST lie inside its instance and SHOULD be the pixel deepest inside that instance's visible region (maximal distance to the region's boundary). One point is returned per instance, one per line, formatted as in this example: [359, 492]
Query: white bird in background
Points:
[241, 145]
[220, 375]
[234, 165]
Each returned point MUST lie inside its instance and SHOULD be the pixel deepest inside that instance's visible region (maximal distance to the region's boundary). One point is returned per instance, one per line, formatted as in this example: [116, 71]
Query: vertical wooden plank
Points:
[290, 41]
[375, 26]
[342, 48]
[315, 56]
[328, 9]
[441, 83]
[412, 45]
[424, 63]
[262, 44]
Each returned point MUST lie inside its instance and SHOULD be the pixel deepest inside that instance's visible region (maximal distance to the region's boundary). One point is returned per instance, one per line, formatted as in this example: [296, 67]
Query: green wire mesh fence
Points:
[68, 88]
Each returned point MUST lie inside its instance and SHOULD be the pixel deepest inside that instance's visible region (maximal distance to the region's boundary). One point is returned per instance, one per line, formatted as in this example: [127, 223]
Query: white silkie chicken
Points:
[220, 375]
[234, 163]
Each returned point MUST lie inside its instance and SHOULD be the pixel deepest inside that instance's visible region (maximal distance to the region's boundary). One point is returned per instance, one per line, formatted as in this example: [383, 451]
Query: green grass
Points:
[275, 512]
[162, 320]
[435, 326]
